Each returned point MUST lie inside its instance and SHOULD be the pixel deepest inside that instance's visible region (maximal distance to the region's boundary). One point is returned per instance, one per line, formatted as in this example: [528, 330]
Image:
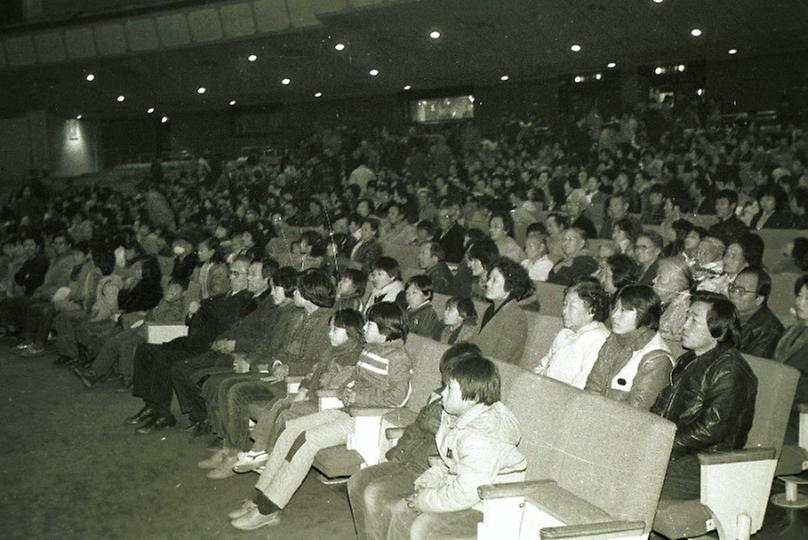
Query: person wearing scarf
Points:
[634, 364]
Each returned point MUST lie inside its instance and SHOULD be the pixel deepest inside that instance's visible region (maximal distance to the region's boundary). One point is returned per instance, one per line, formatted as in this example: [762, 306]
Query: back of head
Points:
[390, 319]
[478, 379]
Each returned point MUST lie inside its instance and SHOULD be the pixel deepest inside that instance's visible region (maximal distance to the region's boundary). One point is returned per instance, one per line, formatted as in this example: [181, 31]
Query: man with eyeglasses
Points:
[760, 328]
[647, 249]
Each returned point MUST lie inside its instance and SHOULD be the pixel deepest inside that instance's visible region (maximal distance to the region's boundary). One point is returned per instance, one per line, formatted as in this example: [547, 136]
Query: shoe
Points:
[200, 430]
[141, 415]
[125, 386]
[63, 361]
[157, 423]
[215, 460]
[214, 444]
[255, 520]
[21, 347]
[88, 377]
[249, 461]
[224, 470]
[247, 506]
[33, 350]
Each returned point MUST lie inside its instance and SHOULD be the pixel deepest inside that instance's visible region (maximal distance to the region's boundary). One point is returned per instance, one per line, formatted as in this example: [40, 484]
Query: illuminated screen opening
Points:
[443, 109]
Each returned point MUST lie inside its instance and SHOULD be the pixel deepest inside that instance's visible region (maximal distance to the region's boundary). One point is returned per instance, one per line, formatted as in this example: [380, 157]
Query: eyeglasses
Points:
[641, 247]
[735, 289]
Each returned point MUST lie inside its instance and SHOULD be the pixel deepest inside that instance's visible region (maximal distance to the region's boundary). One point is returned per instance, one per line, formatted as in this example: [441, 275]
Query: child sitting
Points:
[459, 320]
[422, 317]
[351, 290]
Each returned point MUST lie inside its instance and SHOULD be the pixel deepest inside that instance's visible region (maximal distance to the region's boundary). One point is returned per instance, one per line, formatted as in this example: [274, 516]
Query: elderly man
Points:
[577, 203]
[617, 209]
[432, 260]
[576, 263]
[760, 328]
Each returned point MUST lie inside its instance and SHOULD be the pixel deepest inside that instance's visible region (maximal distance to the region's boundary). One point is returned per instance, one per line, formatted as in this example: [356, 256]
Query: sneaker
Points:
[224, 470]
[213, 461]
[247, 506]
[33, 350]
[21, 347]
[249, 461]
[254, 519]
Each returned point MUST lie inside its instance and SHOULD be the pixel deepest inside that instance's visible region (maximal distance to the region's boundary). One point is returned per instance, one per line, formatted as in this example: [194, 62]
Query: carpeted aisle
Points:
[70, 468]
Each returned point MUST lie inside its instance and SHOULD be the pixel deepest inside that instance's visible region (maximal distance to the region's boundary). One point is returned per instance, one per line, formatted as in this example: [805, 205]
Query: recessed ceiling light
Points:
[575, 47]
[611, 65]
[90, 77]
[318, 94]
[340, 46]
[578, 79]
[504, 78]
[658, 1]
[121, 99]
[700, 92]
[408, 87]
[732, 51]
[696, 32]
[658, 70]
[78, 117]
[232, 102]
[285, 81]
[164, 119]
[598, 76]
[434, 34]
[373, 72]
[680, 67]
[150, 110]
[252, 58]
[201, 90]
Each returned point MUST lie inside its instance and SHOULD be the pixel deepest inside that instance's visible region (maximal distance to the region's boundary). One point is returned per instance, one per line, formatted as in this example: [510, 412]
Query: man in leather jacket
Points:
[760, 328]
[711, 398]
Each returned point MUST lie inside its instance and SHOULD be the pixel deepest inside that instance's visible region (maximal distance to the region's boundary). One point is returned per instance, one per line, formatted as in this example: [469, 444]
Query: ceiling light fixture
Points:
[252, 58]
[575, 47]
[578, 79]
[374, 72]
[658, 1]
[201, 90]
[121, 99]
[232, 102]
[598, 76]
[680, 68]
[504, 78]
[78, 117]
[434, 34]
[611, 65]
[732, 51]
[318, 94]
[150, 110]
[90, 77]
[658, 70]
[286, 81]
[696, 32]
[408, 87]
[164, 120]
[340, 46]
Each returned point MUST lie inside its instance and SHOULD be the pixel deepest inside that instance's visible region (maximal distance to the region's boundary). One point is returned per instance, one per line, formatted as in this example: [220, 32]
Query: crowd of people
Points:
[88, 273]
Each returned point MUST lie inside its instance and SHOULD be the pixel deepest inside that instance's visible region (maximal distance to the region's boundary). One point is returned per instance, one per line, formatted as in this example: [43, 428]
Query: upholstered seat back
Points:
[541, 331]
[425, 354]
[777, 384]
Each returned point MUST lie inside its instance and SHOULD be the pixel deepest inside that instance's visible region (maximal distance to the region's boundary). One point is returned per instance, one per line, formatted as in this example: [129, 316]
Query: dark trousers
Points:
[188, 392]
[682, 479]
[152, 375]
[37, 324]
[13, 311]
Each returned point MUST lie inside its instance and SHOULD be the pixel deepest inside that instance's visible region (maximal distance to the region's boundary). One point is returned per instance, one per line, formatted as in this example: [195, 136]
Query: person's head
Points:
[352, 282]
[673, 277]
[472, 380]
[370, 227]
[430, 254]
[452, 355]
[556, 223]
[311, 243]
[103, 259]
[635, 306]
[693, 238]
[481, 255]
[573, 241]
[535, 247]
[314, 286]
[459, 311]
[284, 284]
[584, 303]
[385, 271]
[239, 272]
[31, 245]
[801, 299]
[711, 319]
[61, 244]
[446, 218]
[208, 250]
[648, 247]
[710, 250]
[725, 202]
[418, 290]
[500, 225]
[507, 280]
[259, 276]
[577, 202]
[624, 231]
[386, 321]
[750, 290]
[346, 325]
[364, 207]
[174, 291]
[617, 271]
[771, 198]
[618, 207]
[425, 230]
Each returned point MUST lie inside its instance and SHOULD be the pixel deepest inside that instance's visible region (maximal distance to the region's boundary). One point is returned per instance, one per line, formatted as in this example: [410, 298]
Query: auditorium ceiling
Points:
[159, 57]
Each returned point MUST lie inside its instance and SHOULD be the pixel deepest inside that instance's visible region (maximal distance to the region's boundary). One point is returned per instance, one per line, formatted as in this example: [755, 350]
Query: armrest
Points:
[737, 456]
[293, 383]
[294, 379]
[326, 393]
[605, 529]
[367, 411]
[393, 433]
[510, 489]
[803, 408]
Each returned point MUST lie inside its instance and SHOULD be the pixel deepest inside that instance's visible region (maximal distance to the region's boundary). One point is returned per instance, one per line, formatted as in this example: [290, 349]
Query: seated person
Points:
[367, 251]
[381, 379]
[795, 257]
[480, 256]
[624, 234]
[634, 364]
[760, 328]
[476, 441]
[576, 263]
[792, 349]
[351, 290]
[647, 250]
[537, 262]
[459, 321]
[503, 329]
[672, 285]
[709, 263]
[746, 251]
[577, 203]
[617, 271]
[729, 228]
[421, 315]
[385, 280]
[500, 229]
[396, 229]
[373, 490]
[575, 348]
[432, 260]
[710, 396]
